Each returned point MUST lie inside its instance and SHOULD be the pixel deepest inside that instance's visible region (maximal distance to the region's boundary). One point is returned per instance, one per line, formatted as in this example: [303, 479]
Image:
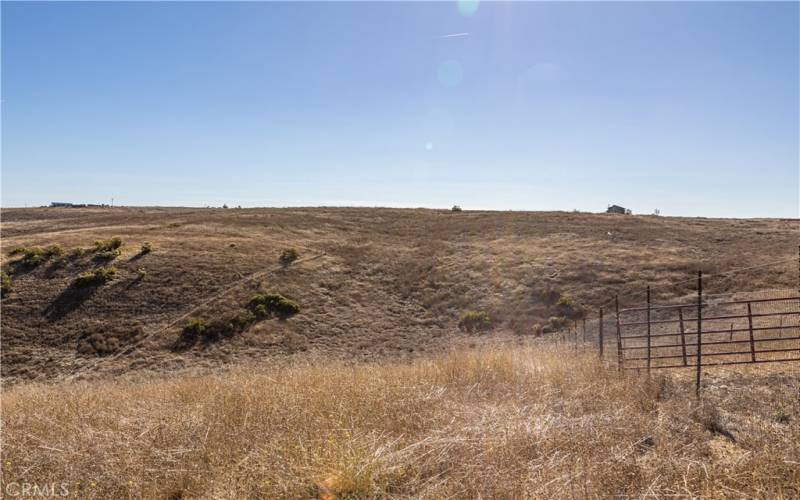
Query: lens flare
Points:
[468, 7]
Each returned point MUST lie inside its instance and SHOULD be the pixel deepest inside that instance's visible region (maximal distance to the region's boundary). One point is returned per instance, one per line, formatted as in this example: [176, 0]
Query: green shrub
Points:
[108, 245]
[5, 284]
[456, 208]
[267, 304]
[110, 254]
[218, 328]
[195, 329]
[568, 308]
[244, 319]
[260, 311]
[77, 252]
[147, 247]
[96, 276]
[288, 256]
[554, 324]
[34, 256]
[474, 321]
[141, 273]
[54, 251]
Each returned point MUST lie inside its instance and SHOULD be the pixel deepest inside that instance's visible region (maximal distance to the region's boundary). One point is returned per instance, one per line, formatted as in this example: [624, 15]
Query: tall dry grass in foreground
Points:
[533, 422]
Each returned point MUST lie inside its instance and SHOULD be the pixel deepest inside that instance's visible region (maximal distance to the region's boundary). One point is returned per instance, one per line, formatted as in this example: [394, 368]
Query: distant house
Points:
[616, 209]
[63, 204]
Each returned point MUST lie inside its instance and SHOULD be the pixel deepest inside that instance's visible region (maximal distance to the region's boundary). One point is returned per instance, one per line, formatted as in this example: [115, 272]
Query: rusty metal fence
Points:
[698, 331]
[726, 332]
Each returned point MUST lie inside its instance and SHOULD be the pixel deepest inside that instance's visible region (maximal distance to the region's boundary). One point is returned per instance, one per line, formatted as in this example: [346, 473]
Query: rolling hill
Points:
[371, 283]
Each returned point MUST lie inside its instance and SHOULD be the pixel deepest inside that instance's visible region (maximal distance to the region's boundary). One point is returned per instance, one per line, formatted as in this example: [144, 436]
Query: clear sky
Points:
[691, 108]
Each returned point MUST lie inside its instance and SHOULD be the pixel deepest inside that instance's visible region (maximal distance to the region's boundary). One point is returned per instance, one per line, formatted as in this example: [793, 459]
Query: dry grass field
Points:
[372, 389]
[371, 283]
[533, 421]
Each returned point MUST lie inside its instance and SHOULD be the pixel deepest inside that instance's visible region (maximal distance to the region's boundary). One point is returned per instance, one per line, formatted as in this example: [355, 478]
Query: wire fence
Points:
[731, 329]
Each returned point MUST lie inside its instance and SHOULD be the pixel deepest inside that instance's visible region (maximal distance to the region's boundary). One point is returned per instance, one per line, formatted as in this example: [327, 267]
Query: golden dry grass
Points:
[380, 283]
[526, 422]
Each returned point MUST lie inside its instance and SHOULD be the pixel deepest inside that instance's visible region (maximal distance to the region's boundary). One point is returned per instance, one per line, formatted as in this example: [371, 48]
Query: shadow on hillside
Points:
[216, 331]
[21, 268]
[136, 257]
[53, 268]
[67, 301]
[186, 341]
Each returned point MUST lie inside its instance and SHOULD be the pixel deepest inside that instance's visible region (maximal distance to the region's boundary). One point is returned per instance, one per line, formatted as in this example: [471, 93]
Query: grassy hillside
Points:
[534, 422]
[370, 283]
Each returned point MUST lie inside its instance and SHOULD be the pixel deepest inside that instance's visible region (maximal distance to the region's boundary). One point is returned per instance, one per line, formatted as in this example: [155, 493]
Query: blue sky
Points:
[691, 108]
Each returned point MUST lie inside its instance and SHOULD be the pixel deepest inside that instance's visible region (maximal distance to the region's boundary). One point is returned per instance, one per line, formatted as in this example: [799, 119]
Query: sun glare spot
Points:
[468, 7]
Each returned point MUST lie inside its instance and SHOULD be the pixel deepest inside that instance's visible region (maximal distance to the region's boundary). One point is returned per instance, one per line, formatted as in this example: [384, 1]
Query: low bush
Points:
[147, 247]
[108, 245]
[244, 319]
[554, 324]
[17, 251]
[54, 251]
[210, 331]
[260, 311]
[99, 344]
[475, 321]
[268, 304]
[33, 256]
[568, 308]
[195, 329]
[110, 254]
[288, 256]
[96, 276]
[5, 284]
[456, 208]
[141, 273]
[218, 328]
[550, 296]
[77, 252]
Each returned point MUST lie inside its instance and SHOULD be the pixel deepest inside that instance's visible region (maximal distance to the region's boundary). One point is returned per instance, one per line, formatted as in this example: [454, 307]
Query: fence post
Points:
[584, 329]
[752, 340]
[699, 330]
[575, 335]
[648, 330]
[600, 341]
[683, 335]
[619, 336]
